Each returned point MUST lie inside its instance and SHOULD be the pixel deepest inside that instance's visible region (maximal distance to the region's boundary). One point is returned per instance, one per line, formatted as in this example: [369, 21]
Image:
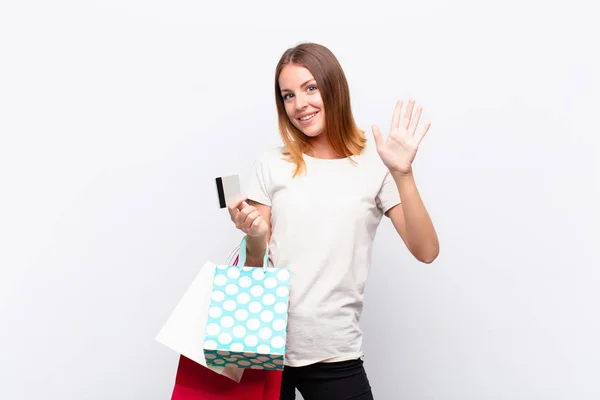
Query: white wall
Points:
[116, 116]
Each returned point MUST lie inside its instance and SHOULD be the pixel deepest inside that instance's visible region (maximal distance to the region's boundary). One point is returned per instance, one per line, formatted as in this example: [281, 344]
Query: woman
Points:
[317, 202]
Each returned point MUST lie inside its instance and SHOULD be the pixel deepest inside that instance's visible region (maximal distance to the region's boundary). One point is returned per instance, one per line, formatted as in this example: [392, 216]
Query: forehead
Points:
[293, 76]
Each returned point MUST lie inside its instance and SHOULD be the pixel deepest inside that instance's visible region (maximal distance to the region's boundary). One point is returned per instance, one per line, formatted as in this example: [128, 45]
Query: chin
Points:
[311, 133]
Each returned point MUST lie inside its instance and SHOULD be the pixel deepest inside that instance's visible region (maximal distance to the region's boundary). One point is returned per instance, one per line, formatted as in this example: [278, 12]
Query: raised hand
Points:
[398, 151]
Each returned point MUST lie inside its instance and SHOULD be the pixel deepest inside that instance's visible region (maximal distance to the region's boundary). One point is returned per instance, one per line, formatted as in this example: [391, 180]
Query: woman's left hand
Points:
[400, 148]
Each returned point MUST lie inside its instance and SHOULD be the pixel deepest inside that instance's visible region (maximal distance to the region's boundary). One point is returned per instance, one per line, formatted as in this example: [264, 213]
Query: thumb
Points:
[377, 136]
[239, 202]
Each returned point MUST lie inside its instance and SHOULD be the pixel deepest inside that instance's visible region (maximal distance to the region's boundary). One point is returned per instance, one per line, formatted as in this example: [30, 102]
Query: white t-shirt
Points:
[323, 226]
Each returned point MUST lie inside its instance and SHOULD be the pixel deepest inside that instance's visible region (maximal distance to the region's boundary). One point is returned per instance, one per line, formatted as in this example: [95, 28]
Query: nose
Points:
[300, 102]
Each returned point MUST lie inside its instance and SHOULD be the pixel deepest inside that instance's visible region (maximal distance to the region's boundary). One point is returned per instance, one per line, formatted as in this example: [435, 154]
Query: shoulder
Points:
[270, 156]
[274, 163]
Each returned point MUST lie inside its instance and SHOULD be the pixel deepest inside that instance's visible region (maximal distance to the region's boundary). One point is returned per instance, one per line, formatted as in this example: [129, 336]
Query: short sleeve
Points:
[257, 187]
[388, 195]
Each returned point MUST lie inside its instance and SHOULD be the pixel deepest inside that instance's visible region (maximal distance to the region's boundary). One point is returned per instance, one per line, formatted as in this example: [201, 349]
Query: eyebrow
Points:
[304, 84]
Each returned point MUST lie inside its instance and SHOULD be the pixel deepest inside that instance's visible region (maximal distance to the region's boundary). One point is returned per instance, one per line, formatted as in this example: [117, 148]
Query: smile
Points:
[308, 117]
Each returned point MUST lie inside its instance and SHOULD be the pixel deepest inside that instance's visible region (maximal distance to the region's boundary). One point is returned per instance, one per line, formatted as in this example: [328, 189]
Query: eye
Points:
[287, 96]
[312, 88]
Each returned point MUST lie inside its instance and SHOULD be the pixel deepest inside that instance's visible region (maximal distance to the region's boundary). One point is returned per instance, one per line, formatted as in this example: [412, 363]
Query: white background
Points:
[116, 116]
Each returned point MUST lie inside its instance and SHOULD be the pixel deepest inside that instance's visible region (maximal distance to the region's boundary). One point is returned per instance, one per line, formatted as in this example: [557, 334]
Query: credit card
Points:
[228, 188]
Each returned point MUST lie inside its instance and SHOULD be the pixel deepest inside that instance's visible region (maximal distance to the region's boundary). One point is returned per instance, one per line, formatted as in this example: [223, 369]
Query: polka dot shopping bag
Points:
[186, 333]
[247, 316]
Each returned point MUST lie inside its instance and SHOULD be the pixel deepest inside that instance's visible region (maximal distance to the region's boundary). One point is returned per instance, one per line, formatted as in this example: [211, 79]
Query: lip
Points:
[306, 114]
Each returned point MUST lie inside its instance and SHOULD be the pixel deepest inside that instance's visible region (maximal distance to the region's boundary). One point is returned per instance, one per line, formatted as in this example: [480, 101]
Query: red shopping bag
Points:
[196, 382]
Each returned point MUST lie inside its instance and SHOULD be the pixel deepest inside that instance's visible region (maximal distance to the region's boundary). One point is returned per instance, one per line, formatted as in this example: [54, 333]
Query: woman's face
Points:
[302, 100]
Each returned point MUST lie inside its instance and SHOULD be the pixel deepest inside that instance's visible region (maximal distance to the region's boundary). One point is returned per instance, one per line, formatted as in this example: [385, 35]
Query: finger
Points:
[255, 226]
[415, 121]
[422, 132]
[245, 212]
[233, 212]
[256, 223]
[250, 218]
[377, 136]
[407, 114]
[242, 204]
[252, 222]
[396, 115]
[234, 203]
[239, 220]
[240, 215]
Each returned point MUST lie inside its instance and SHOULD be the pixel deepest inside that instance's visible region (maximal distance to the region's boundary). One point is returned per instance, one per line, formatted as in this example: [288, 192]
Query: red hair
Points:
[343, 134]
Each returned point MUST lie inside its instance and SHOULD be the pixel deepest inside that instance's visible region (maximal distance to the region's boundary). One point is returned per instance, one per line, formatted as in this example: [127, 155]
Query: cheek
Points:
[319, 101]
[321, 116]
[289, 111]
[319, 105]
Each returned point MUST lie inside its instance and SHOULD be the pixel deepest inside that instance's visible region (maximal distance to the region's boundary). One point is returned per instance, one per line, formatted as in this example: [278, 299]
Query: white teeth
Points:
[307, 117]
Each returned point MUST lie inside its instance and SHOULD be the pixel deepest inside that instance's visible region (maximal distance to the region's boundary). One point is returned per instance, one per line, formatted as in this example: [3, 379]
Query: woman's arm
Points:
[412, 221]
[257, 245]
[398, 152]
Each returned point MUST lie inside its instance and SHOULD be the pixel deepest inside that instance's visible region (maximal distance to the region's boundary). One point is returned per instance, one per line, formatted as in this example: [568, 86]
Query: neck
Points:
[322, 148]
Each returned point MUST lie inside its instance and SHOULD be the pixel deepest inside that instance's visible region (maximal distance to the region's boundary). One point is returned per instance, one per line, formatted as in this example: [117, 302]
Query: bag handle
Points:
[242, 255]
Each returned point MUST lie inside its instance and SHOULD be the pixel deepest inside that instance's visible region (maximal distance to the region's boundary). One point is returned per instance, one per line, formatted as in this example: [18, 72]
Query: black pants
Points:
[327, 381]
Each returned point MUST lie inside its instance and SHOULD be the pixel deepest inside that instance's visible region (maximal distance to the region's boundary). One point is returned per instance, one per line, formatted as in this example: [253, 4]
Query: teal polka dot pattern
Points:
[225, 358]
[247, 317]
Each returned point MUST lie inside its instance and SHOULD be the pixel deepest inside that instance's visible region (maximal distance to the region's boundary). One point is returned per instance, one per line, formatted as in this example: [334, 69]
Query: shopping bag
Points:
[185, 328]
[247, 317]
[194, 382]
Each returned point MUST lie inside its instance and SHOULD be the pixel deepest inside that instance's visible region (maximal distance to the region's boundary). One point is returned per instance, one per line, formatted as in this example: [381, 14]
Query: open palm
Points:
[398, 151]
